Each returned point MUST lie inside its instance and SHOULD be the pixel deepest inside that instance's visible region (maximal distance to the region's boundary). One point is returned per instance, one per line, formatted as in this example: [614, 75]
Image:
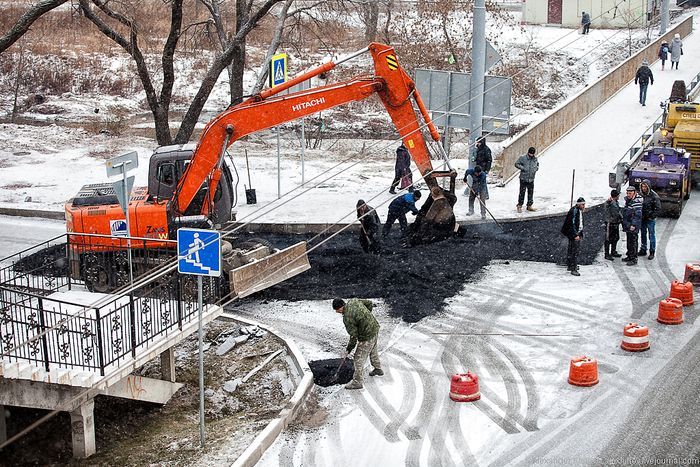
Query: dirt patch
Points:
[137, 433]
[312, 414]
[414, 282]
[330, 372]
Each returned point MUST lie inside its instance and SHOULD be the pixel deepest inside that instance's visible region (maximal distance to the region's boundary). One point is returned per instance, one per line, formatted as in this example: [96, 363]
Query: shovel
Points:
[337, 372]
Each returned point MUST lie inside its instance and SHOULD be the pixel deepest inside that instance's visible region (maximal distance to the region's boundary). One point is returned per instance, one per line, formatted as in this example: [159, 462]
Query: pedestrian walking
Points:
[632, 223]
[477, 189]
[363, 329]
[613, 218]
[663, 54]
[651, 207]
[402, 170]
[573, 230]
[369, 227]
[676, 49]
[398, 209]
[528, 166]
[585, 22]
[644, 76]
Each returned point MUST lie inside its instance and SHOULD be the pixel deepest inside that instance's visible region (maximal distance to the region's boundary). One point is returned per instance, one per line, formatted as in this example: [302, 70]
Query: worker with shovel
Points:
[364, 330]
[477, 188]
[369, 227]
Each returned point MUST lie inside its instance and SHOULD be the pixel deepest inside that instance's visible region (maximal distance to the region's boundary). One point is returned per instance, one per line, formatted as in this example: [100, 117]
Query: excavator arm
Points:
[268, 109]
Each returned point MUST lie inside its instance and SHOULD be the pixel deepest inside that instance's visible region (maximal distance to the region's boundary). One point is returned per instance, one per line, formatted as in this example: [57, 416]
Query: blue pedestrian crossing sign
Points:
[199, 252]
[278, 69]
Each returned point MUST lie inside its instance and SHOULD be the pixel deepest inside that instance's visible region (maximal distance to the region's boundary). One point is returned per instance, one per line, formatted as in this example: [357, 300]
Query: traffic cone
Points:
[583, 371]
[670, 311]
[465, 387]
[635, 338]
[683, 291]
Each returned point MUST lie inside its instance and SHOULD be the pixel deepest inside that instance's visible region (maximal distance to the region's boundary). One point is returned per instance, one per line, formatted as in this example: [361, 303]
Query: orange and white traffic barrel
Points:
[683, 291]
[670, 311]
[635, 338]
[583, 371]
[465, 387]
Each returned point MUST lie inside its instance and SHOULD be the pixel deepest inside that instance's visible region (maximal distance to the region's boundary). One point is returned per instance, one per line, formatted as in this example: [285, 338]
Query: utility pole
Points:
[476, 106]
[665, 19]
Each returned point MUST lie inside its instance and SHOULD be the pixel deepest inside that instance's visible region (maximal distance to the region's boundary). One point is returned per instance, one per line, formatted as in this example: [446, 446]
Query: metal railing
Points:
[43, 322]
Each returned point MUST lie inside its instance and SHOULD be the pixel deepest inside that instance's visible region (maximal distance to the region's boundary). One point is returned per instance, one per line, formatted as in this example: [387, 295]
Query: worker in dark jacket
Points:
[585, 22]
[632, 223]
[528, 166]
[483, 156]
[651, 207]
[573, 230]
[402, 169]
[613, 218]
[643, 77]
[398, 209]
[477, 189]
[363, 329]
[369, 227]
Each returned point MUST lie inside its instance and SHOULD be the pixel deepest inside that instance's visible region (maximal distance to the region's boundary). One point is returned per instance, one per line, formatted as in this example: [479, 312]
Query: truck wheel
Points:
[98, 280]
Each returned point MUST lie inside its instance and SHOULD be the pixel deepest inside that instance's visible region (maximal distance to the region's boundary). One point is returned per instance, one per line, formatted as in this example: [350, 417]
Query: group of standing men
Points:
[637, 215]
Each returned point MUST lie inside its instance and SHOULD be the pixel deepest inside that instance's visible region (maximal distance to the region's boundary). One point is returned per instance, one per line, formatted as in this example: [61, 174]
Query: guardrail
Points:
[45, 327]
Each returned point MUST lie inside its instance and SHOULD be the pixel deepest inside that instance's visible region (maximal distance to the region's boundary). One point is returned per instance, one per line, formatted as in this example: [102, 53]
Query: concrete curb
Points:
[265, 438]
[20, 212]
[298, 229]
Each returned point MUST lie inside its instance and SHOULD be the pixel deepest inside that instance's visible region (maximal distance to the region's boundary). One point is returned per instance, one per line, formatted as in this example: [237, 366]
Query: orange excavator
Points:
[191, 187]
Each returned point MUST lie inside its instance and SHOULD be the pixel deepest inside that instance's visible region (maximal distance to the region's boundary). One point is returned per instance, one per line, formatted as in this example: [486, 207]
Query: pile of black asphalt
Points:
[415, 281]
[329, 372]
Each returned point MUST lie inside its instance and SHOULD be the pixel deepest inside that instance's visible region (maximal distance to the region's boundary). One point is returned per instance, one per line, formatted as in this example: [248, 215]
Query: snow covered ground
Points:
[517, 328]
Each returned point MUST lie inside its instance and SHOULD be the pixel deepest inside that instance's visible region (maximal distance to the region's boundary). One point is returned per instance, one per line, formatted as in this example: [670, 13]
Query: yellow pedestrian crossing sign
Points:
[278, 69]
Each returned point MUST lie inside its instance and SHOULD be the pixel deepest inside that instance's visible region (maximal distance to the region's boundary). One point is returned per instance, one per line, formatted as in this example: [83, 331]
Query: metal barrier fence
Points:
[46, 322]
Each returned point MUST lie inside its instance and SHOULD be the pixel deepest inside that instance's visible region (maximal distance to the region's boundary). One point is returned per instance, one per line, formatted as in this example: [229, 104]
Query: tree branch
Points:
[26, 20]
[274, 45]
[169, 53]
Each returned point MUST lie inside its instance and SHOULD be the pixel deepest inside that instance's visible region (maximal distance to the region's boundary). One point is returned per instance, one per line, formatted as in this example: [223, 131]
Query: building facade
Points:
[604, 13]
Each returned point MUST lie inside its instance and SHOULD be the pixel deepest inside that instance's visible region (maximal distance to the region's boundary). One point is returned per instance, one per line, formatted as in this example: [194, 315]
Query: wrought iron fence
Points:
[48, 328]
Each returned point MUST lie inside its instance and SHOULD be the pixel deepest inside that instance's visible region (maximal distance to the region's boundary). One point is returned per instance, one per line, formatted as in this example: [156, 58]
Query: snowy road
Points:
[18, 233]
[644, 406]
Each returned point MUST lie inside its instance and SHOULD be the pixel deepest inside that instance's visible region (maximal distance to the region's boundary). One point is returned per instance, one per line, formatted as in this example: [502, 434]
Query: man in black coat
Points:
[369, 227]
[483, 155]
[402, 168]
[643, 77]
[573, 230]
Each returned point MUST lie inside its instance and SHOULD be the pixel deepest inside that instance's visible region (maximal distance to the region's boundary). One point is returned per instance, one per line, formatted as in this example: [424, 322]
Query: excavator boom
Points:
[389, 82]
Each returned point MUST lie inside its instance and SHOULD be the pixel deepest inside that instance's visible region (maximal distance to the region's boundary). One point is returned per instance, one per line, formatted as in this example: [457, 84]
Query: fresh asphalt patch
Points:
[415, 281]
[329, 372]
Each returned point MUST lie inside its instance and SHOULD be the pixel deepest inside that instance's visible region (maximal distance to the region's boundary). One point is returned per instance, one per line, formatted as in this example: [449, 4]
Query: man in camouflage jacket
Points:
[363, 329]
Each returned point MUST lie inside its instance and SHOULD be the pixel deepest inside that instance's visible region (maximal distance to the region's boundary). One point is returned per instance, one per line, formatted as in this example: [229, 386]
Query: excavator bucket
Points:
[268, 269]
[435, 220]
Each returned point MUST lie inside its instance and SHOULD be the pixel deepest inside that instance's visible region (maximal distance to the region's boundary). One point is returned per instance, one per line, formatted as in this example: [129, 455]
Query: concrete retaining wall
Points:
[265, 438]
[565, 118]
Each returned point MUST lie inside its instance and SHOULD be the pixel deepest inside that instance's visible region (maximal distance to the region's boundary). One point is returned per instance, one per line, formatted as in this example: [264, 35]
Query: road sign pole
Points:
[476, 86]
[279, 173]
[303, 146]
[201, 363]
[125, 189]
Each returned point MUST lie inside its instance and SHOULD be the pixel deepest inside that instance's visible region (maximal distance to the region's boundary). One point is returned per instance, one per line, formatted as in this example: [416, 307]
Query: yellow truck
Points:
[681, 125]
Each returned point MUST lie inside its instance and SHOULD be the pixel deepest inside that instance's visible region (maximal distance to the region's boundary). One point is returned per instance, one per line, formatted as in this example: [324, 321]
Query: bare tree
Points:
[371, 15]
[124, 29]
[26, 20]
